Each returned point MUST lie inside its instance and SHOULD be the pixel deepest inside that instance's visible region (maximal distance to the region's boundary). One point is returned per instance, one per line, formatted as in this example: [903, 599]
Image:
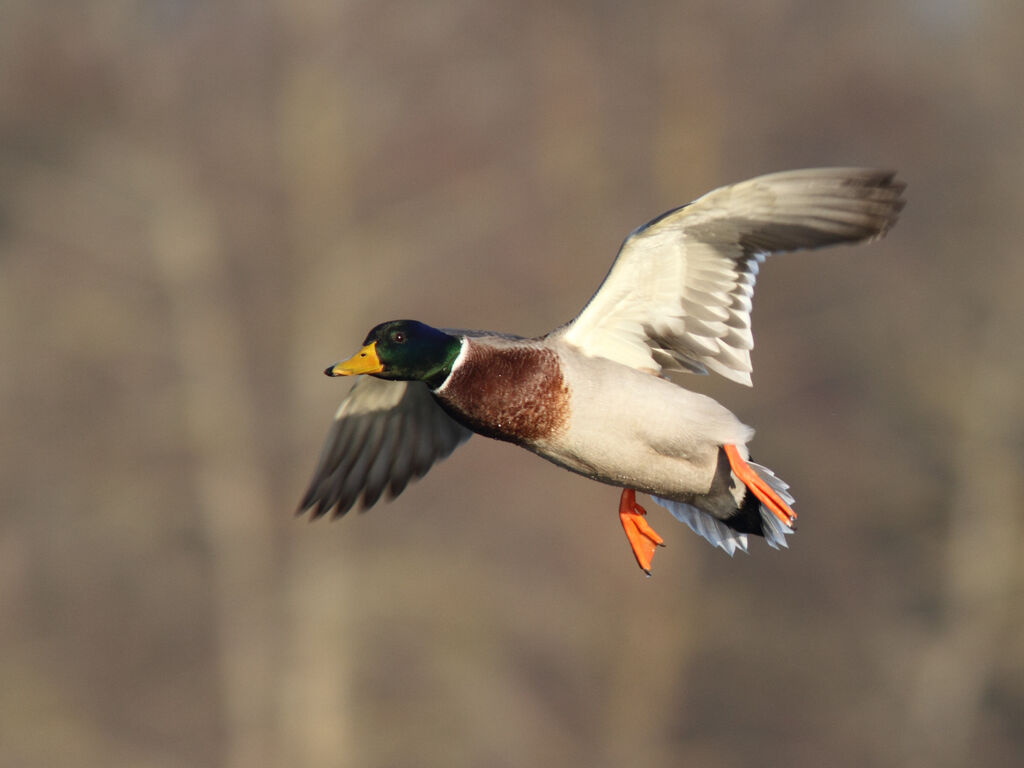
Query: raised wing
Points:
[384, 434]
[678, 296]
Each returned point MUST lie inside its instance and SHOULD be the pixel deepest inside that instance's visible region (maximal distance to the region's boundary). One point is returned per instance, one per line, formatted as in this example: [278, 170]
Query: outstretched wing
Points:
[678, 296]
[384, 434]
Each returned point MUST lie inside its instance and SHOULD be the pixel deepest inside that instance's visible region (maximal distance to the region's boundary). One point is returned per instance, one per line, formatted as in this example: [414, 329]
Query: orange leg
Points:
[642, 537]
[759, 487]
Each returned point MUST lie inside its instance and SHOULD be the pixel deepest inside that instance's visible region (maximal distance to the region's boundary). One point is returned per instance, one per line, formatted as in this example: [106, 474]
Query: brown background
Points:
[202, 204]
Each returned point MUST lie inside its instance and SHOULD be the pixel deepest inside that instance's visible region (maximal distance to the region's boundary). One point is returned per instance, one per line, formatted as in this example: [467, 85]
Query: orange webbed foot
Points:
[642, 538]
[759, 487]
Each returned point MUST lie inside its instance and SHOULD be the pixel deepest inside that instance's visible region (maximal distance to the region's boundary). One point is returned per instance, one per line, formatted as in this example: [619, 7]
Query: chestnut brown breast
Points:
[513, 394]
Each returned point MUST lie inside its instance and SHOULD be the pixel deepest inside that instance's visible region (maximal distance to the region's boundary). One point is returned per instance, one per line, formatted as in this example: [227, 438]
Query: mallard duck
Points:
[592, 396]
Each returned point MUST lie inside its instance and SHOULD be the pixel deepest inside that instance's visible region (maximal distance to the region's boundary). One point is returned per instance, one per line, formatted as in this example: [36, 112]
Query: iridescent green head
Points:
[403, 350]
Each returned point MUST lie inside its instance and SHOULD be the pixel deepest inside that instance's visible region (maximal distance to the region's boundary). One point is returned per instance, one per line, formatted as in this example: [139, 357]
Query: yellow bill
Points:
[364, 361]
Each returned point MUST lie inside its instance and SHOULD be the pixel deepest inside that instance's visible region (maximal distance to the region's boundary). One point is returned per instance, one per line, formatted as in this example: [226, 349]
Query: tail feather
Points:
[773, 529]
[750, 516]
[711, 528]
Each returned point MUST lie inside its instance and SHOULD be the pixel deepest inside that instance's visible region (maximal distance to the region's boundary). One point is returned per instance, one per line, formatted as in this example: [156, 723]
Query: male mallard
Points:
[591, 395]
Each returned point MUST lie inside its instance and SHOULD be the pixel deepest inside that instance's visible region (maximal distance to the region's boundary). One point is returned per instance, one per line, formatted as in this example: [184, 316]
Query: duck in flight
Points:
[592, 396]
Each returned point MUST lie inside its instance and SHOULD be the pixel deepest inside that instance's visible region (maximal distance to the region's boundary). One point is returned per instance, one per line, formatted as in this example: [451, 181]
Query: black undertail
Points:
[747, 518]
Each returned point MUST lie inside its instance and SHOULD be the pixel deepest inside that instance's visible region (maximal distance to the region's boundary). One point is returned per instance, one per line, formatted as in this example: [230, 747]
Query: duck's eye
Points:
[398, 337]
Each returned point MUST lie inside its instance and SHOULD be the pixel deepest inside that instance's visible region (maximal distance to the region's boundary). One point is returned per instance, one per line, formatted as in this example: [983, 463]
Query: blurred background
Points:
[202, 204]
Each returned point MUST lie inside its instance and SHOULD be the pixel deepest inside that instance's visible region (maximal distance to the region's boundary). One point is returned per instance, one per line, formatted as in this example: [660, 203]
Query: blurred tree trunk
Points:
[982, 568]
[314, 151]
[219, 407]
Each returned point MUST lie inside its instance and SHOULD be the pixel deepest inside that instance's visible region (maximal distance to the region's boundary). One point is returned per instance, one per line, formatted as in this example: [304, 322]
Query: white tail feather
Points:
[703, 524]
[719, 534]
[775, 531]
